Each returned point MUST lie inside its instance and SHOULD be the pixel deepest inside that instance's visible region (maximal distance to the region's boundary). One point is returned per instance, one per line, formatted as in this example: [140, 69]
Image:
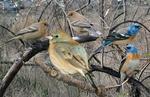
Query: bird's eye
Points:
[128, 47]
[56, 36]
[71, 14]
[45, 24]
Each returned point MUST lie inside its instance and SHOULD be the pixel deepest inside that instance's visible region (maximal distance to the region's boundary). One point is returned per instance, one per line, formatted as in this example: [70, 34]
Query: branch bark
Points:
[28, 54]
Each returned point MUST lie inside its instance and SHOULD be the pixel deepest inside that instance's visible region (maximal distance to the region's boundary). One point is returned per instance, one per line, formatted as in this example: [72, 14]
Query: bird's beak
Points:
[49, 37]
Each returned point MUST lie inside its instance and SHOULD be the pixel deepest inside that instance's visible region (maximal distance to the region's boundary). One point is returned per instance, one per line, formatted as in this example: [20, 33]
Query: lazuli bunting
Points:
[121, 39]
[130, 64]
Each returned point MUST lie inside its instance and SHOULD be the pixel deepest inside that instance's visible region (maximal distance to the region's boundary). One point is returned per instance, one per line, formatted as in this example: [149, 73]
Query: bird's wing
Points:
[83, 24]
[75, 55]
[116, 36]
[30, 29]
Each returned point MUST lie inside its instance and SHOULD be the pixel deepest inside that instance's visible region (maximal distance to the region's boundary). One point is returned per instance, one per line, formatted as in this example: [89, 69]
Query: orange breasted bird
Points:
[81, 24]
[130, 65]
[121, 39]
[68, 56]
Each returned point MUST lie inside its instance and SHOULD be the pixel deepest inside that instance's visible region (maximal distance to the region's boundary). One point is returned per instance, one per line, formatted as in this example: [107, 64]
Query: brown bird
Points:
[67, 55]
[31, 33]
[81, 24]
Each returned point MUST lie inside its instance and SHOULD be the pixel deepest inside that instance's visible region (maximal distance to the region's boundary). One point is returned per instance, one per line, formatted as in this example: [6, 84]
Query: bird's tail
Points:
[118, 88]
[5, 43]
[94, 32]
[98, 50]
[90, 78]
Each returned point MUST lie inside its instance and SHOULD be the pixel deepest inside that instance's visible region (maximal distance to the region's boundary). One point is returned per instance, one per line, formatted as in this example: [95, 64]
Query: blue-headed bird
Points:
[130, 64]
[120, 39]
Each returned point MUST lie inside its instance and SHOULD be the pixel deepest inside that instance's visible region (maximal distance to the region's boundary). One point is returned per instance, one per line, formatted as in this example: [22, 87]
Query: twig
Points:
[84, 6]
[26, 19]
[145, 78]
[141, 72]
[114, 73]
[128, 21]
[12, 33]
[68, 21]
[36, 48]
[114, 18]
[68, 79]
[124, 9]
[44, 10]
[11, 62]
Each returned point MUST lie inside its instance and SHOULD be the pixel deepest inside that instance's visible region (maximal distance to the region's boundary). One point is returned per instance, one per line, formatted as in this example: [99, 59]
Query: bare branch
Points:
[128, 21]
[36, 48]
[44, 10]
[70, 80]
[84, 6]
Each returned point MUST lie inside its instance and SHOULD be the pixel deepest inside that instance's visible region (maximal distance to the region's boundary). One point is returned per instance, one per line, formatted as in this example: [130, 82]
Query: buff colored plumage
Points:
[32, 32]
[68, 56]
[81, 24]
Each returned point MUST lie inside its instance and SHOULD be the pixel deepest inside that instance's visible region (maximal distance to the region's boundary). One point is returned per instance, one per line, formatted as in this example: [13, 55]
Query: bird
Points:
[120, 39]
[68, 56]
[81, 25]
[130, 64]
[32, 32]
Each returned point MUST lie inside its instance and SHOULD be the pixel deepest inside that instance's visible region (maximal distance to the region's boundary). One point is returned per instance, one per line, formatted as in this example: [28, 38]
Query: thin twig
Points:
[142, 70]
[84, 6]
[128, 21]
[44, 10]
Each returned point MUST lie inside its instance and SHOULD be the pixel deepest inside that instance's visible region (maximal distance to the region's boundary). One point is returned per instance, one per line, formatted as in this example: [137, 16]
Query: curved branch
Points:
[143, 69]
[128, 21]
[36, 48]
[70, 80]
[114, 73]
[12, 33]
[8, 30]
[145, 78]
[44, 10]
[84, 6]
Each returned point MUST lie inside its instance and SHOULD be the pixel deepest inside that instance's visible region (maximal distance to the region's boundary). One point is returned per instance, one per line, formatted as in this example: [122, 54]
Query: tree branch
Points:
[28, 54]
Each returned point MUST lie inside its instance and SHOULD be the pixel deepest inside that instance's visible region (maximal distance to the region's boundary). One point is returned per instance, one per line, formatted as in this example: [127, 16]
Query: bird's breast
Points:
[60, 63]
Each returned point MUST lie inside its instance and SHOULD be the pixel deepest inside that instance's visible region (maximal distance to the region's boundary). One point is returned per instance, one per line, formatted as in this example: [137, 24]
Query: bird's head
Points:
[59, 36]
[73, 15]
[131, 49]
[45, 23]
[133, 29]
[45, 27]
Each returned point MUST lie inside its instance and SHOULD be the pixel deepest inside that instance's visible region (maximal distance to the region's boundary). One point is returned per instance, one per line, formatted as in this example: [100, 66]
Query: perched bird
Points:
[32, 32]
[130, 64]
[67, 55]
[81, 24]
[121, 39]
